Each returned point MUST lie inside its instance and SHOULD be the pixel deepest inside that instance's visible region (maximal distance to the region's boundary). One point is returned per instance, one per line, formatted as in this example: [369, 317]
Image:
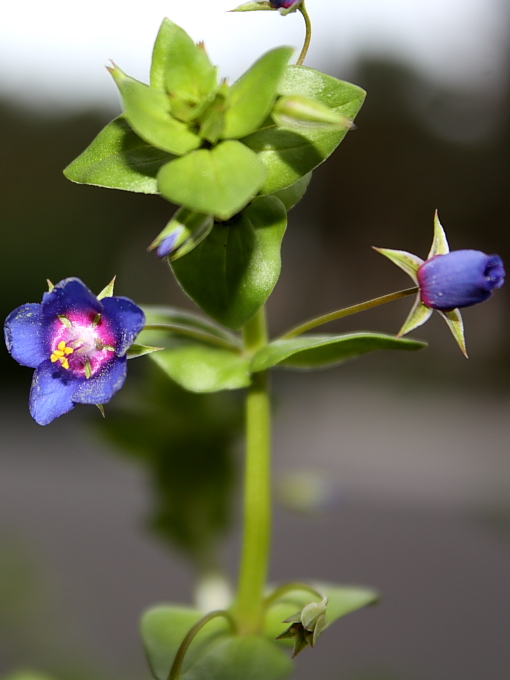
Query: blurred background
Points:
[393, 471]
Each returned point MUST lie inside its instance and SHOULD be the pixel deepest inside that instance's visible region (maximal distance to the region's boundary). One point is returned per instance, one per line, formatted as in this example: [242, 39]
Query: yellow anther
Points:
[61, 354]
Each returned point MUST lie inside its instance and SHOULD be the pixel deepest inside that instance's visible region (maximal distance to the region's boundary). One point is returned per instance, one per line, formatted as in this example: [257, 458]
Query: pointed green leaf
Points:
[201, 368]
[233, 271]
[242, 657]
[119, 159]
[303, 112]
[148, 113]
[295, 192]
[181, 67]
[163, 628]
[218, 181]
[342, 600]
[289, 155]
[319, 351]
[253, 95]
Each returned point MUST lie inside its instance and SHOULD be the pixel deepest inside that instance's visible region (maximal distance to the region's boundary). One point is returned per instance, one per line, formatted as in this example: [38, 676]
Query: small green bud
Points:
[298, 112]
[306, 625]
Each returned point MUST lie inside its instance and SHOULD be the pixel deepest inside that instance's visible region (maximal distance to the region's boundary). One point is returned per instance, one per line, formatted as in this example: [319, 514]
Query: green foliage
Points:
[219, 181]
[289, 155]
[233, 271]
[119, 159]
[342, 600]
[253, 95]
[320, 351]
[214, 654]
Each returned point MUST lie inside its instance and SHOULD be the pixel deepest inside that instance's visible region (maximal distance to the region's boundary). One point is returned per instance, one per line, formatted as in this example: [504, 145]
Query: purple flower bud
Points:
[167, 245]
[459, 279]
[284, 4]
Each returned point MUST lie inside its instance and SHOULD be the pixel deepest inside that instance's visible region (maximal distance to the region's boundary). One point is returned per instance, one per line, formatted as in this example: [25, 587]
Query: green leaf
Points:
[119, 159]
[163, 629]
[148, 113]
[241, 658]
[218, 181]
[253, 95]
[233, 271]
[289, 155]
[201, 368]
[319, 351]
[295, 192]
[342, 600]
[181, 67]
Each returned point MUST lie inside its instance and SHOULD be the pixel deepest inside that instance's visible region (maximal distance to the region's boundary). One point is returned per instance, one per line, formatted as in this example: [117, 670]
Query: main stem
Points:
[248, 609]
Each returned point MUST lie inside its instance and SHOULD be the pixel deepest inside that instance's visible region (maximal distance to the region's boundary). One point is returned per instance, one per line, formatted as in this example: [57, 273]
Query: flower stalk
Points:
[308, 35]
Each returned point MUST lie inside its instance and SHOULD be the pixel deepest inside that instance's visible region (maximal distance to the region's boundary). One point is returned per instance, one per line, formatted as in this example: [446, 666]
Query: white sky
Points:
[53, 52]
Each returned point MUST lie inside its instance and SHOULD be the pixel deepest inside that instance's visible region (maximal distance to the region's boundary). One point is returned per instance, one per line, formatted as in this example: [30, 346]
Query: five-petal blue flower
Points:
[77, 344]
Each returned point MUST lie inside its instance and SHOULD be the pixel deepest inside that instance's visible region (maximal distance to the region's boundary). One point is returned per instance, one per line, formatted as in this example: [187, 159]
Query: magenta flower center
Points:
[81, 343]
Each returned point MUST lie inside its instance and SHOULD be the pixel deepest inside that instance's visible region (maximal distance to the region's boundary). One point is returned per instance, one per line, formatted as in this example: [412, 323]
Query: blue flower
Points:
[447, 281]
[285, 6]
[76, 342]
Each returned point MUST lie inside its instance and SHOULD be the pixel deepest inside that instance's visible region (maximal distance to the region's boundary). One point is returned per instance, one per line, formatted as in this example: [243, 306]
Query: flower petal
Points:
[127, 320]
[69, 295]
[100, 388]
[51, 393]
[25, 335]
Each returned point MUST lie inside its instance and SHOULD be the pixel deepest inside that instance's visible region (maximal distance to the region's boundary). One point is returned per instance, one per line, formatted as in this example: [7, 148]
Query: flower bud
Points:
[298, 111]
[285, 5]
[306, 625]
[185, 231]
[459, 279]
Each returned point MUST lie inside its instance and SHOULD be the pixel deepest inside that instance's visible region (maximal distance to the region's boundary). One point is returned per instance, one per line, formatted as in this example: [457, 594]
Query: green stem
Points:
[280, 592]
[176, 670]
[248, 608]
[308, 36]
[347, 311]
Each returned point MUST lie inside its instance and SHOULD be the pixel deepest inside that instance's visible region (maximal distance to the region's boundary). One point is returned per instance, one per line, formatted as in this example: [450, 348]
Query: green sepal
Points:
[119, 159]
[202, 368]
[342, 600]
[408, 262]
[295, 192]
[107, 290]
[253, 7]
[214, 654]
[289, 155]
[233, 271]
[213, 118]
[190, 228]
[180, 67]
[136, 351]
[218, 181]
[321, 351]
[439, 242]
[418, 315]
[454, 320]
[253, 95]
[148, 113]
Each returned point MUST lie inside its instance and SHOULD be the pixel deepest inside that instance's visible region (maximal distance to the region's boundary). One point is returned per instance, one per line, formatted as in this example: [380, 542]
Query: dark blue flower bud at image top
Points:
[283, 4]
[459, 279]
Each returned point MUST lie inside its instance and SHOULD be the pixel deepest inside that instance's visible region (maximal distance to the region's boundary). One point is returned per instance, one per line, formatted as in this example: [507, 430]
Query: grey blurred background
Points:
[405, 457]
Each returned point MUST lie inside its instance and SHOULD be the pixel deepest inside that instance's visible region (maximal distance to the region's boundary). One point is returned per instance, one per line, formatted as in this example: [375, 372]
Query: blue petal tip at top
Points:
[77, 345]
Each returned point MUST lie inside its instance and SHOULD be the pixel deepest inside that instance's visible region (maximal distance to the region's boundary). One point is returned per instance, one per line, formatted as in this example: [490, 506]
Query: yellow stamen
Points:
[61, 354]
[65, 363]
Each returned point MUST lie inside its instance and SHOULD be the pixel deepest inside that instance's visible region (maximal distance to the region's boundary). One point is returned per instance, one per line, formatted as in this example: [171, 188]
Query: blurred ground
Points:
[408, 514]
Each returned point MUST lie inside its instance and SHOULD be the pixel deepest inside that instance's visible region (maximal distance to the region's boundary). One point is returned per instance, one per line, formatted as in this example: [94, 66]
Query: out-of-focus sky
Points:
[53, 53]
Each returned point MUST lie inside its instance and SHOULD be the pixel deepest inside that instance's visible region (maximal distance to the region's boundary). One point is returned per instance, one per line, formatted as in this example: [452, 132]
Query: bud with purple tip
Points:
[459, 279]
